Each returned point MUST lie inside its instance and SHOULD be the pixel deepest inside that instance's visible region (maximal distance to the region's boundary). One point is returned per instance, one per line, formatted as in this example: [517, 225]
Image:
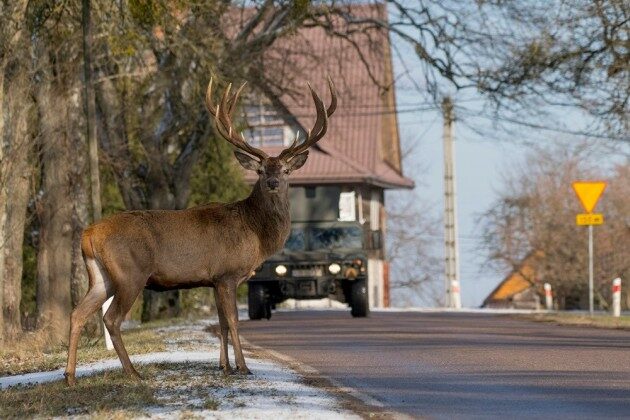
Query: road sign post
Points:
[590, 269]
[588, 192]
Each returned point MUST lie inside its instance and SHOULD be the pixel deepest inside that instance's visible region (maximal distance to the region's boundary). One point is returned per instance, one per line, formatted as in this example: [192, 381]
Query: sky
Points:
[480, 161]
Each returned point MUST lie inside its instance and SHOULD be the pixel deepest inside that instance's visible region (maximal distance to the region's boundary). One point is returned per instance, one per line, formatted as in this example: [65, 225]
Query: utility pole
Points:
[453, 297]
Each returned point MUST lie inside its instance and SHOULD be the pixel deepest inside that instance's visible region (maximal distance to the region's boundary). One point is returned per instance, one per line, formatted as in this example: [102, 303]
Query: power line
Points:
[546, 128]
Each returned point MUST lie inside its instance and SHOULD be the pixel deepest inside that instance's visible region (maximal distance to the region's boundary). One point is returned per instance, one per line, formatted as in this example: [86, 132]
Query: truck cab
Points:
[319, 260]
[330, 253]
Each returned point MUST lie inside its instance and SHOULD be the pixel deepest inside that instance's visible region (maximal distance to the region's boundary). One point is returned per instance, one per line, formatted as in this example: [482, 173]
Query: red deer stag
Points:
[216, 245]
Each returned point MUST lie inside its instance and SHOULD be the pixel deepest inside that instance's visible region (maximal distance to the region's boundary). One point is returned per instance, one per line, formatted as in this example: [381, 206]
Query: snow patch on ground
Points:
[190, 384]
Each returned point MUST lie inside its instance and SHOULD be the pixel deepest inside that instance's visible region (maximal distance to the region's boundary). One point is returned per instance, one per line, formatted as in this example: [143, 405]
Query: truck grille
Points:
[308, 270]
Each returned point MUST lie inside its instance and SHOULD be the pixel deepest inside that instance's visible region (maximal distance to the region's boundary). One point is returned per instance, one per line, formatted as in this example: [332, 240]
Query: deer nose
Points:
[273, 183]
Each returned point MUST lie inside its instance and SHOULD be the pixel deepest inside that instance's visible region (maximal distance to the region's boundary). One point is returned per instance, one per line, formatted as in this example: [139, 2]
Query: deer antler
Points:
[222, 114]
[321, 123]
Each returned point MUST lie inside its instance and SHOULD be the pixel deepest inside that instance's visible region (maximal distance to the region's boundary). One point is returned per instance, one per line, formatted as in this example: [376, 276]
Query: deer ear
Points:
[247, 161]
[297, 161]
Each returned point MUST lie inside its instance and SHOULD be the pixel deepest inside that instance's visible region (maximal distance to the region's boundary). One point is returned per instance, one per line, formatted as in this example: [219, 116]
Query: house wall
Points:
[526, 299]
[372, 201]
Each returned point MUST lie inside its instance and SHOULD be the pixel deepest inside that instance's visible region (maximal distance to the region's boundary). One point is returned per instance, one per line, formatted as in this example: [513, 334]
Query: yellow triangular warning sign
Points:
[589, 192]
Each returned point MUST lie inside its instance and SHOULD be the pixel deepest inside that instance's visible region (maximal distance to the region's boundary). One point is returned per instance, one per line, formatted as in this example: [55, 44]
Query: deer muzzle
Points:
[273, 184]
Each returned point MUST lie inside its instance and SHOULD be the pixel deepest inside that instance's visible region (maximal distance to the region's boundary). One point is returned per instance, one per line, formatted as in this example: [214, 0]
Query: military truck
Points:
[325, 256]
[318, 260]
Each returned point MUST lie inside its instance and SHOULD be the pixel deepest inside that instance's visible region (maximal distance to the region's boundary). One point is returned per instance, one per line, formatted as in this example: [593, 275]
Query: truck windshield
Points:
[296, 240]
[336, 237]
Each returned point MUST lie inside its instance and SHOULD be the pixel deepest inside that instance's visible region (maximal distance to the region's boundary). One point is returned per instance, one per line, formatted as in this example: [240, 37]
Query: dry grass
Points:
[186, 388]
[582, 319]
[33, 352]
[104, 395]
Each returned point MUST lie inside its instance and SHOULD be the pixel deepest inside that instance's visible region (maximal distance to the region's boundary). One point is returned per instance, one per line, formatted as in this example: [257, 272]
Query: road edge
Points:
[351, 399]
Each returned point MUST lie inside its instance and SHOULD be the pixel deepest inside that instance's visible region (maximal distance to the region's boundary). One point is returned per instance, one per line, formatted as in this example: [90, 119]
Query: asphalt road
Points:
[447, 365]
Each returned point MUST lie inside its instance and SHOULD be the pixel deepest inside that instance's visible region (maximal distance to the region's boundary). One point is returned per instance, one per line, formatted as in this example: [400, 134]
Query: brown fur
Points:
[214, 245]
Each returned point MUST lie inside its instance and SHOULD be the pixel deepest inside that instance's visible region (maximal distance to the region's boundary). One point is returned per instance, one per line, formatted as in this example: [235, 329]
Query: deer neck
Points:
[269, 216]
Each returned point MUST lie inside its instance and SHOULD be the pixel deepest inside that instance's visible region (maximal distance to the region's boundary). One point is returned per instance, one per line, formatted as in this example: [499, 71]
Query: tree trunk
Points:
[54, 271]
[12, 30]
[3, 200]
[17, 183]
[80, 215]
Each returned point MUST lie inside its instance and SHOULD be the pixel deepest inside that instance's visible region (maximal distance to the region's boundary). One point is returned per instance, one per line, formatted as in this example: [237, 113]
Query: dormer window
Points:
[266, 127]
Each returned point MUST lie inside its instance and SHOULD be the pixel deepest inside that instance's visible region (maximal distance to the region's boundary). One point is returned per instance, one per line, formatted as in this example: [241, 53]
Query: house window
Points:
[266, 127]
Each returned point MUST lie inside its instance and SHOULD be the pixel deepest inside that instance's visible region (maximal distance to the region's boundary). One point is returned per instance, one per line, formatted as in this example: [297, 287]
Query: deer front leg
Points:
[227, 296]
[224, 360]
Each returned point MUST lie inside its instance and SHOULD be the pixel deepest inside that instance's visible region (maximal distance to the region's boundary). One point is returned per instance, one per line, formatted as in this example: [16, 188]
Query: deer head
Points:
[273, 171]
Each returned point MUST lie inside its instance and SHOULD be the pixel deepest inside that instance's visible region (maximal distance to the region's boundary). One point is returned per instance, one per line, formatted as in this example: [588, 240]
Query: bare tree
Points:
[536, 213]
[412, 231]
[520, 54]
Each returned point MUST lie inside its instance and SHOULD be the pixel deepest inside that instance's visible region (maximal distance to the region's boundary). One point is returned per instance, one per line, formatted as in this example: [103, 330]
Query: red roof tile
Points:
[357, 138]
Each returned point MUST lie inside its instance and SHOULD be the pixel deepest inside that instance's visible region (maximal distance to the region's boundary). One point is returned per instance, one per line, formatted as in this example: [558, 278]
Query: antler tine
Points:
[209, 104]
[234, 99]
[223, 120]
[321, 123]
[333, 97]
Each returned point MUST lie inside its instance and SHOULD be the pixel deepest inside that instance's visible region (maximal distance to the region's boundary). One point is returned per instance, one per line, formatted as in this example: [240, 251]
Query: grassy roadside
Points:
[172, 389]
[108, 395]
[581, 319]
[33, 353]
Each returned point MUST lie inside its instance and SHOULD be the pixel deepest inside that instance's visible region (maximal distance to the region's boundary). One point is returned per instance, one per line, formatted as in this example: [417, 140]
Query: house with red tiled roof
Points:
[360, 157]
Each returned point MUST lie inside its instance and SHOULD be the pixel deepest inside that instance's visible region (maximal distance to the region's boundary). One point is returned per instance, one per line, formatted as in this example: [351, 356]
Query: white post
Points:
[108, 340]
[616, 297]
[548, 296]
[590, 269]
[456, 301]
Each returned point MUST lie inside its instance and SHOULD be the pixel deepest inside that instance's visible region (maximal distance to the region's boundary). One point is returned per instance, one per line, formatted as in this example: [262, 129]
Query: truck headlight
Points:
[334, 268]
[281, 270]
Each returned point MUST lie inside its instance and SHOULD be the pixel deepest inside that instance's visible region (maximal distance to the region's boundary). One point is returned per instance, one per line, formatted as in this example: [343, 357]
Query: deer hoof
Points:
[71, 380]
[227, 370]
[134, 375]
[244, 370]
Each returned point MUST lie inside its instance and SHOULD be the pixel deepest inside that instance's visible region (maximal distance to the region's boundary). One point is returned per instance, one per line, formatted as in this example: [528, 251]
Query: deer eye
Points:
[259, 171]
[286, 171]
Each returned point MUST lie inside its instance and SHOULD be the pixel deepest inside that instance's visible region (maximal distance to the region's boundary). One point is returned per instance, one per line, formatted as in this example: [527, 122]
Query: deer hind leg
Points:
[227, 296]
[224, 360]
[126, 293]
[99, 291]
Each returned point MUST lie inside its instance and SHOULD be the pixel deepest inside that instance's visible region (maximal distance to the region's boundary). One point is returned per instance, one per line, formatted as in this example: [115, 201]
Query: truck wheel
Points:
[257, 303]
[359, 302]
